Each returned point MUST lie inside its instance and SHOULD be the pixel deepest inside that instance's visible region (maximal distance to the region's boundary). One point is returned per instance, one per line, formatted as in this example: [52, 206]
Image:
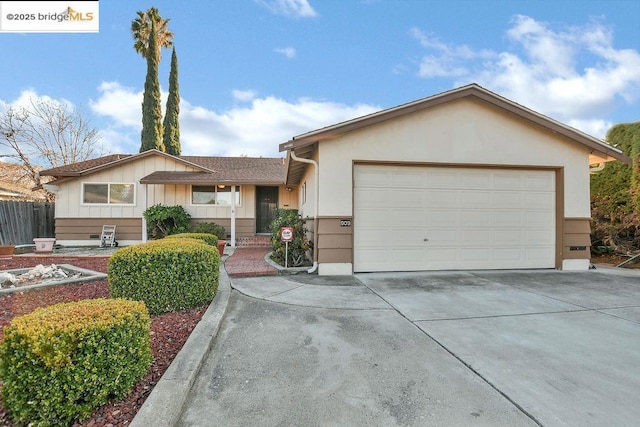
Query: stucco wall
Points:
[461, 132]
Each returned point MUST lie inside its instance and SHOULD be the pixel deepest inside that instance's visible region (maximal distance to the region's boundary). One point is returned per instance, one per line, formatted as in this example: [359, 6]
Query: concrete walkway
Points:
[442, 348]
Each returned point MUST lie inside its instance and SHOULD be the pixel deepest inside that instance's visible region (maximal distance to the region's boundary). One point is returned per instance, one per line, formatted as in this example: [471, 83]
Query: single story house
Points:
[239, 193]
[465, 179]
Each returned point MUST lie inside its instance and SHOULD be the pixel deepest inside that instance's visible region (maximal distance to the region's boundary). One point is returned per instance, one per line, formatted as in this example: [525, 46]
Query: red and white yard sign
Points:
[286, 234]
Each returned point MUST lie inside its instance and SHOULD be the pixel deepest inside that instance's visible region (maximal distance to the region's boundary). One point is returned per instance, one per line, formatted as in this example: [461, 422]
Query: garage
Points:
[462, 180]
[411, 218]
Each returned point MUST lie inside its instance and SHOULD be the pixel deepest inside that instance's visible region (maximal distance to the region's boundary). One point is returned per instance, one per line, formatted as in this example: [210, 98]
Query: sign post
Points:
[286, 235]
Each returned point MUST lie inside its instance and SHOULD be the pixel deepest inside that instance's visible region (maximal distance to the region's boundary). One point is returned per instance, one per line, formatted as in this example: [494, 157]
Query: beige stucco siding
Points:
[463, 132]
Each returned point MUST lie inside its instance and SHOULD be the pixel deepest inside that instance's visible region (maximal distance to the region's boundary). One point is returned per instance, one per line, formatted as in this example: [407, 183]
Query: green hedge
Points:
[168, 274]
[60, 362]
[207, 238]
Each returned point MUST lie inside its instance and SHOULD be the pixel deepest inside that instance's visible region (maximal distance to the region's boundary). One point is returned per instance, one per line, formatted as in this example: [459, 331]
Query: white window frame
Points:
[108, 203]
[216, 204]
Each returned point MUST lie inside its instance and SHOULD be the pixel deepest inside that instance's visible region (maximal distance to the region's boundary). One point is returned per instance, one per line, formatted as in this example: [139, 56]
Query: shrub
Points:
[168, 275]
[207, 238]
[212, 228]
[165, 220]
[297, 253]
[60, 362]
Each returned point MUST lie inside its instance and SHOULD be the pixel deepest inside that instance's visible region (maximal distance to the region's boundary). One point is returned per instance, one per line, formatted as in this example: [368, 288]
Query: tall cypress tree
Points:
[171, 124]
[151, 136]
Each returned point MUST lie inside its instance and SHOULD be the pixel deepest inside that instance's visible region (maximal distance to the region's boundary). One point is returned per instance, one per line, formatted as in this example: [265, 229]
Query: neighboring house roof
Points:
[256, 170]
[15, 185]
[6, 194]
[304, 144]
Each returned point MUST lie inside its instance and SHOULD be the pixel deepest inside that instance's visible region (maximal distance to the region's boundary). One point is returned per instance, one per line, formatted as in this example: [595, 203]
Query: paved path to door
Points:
[474, 348]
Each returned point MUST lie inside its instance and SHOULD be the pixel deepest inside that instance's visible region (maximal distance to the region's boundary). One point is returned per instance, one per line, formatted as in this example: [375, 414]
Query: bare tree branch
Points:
[47, 134]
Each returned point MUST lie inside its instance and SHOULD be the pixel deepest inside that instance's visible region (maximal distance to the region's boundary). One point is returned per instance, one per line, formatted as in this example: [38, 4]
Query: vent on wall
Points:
[94, 236]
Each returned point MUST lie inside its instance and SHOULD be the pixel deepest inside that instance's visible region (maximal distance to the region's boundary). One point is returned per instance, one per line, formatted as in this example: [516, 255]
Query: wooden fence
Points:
[21, 222]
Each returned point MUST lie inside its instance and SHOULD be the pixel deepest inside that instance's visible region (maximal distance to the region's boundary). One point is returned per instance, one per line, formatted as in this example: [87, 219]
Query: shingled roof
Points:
[247, 170]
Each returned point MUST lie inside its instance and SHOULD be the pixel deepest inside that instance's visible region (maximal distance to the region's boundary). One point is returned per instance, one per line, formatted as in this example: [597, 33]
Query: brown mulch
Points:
[168, 331]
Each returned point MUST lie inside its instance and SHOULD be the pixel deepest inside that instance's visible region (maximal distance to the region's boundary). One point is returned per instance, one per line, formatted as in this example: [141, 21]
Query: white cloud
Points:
[289, 52]
[574, 74]
[255, 129]
[243, 95]
[122, 104]
[294, 8]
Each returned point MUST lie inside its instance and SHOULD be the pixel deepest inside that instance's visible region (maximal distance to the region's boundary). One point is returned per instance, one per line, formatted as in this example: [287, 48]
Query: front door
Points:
[266, 205]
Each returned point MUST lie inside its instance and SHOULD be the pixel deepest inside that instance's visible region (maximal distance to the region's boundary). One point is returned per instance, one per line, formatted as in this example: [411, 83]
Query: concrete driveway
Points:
[471, 348]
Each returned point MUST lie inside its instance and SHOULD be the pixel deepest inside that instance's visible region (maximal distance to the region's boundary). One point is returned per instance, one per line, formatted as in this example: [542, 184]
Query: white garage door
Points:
[410, 218]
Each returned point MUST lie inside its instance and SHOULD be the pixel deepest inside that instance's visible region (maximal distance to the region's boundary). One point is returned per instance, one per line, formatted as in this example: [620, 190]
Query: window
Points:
[213, 195]
[108, 194]
[304, 192]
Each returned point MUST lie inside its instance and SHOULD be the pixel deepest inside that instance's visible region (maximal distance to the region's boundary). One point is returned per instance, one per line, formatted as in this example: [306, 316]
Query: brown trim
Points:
[91, 228]
[335, 241]
[559, 216]
[577, 234]
[451, 165]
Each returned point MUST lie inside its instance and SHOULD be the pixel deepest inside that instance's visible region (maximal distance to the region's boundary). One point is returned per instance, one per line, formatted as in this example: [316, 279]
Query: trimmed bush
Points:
[165, 220]
[213, 228]
[60, 362]
[207, 238]
[168, 275]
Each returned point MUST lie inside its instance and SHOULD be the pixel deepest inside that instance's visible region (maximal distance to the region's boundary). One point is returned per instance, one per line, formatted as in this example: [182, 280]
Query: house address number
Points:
[345, 223]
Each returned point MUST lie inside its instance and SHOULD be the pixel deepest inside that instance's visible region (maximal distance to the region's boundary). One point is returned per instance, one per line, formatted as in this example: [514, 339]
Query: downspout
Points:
[315, 217]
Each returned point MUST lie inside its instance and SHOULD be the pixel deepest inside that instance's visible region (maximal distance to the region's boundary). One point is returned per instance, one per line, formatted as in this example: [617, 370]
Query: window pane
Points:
[224, 195]
[203, 195]
[95, 193]
[121, 193]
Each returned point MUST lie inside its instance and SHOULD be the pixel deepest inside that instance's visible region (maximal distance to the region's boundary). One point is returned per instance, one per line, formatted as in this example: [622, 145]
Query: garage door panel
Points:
[440, 198]
[544, 182]
[538, 219]
[406, 198]
[409, 218]
[407, 237]
[437, 218]
[475, 254]
[540, 201]
[507, 180]
[470, 218]
[507, 199]
[376, 218]
[477, 198]
[371, 197]
[540, 236]
[509, 236]
[475, 180]
[413, 178]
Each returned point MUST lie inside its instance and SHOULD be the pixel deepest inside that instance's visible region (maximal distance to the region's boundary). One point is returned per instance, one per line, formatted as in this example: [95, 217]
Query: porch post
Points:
[144, 206]
[233, 216]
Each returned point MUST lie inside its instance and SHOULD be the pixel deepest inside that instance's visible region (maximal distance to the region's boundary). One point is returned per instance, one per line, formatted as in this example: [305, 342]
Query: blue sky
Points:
[254, 73]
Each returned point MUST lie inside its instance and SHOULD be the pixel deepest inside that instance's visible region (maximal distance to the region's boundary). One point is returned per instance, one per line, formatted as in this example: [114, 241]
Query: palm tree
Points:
[141, 26]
